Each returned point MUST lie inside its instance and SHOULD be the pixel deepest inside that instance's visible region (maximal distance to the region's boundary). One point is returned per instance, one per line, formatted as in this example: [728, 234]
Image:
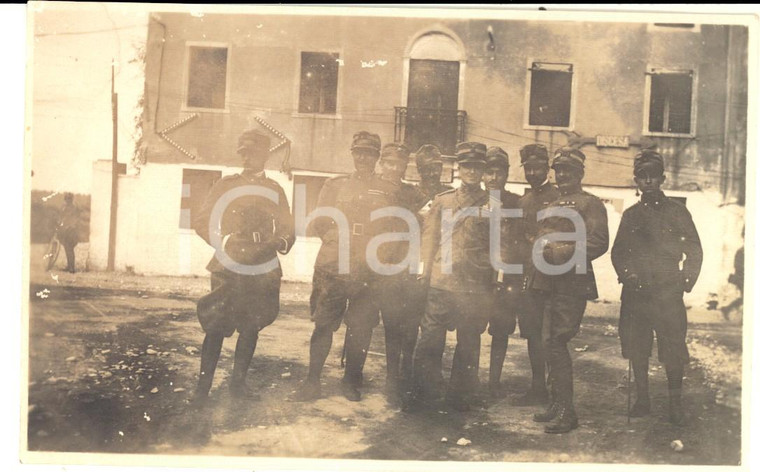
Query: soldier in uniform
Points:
[255, 229]
[534, 159]
[508, 286]
[654, 236]
[430, 168]
[566, 294]
[68, 232]
[338, 296]
[456, 263]
[400, 299]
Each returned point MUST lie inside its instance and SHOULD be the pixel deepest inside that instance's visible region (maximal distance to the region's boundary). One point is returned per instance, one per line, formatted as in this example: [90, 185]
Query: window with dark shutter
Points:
[319, 83]
[670, 96]
[551, 88]
[207, 77]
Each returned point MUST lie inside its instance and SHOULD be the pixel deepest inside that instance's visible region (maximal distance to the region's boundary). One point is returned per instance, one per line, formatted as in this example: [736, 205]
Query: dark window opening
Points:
[550, 94]
[670, 103]
[195, 187]
[207, 77]
[319, 83]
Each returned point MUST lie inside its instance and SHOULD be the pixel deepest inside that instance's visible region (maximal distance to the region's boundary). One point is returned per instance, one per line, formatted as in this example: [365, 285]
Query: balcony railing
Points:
[417, 126]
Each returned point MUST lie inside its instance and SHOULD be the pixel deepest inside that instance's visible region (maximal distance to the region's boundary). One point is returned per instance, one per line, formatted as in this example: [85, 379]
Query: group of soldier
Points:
[456, 286]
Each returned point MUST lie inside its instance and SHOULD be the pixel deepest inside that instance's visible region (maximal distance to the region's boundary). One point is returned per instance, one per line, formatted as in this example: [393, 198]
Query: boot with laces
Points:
[565, 421]
[547, 415]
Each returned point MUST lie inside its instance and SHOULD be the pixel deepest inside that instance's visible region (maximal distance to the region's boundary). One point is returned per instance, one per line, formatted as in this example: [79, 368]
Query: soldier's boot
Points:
[210, 351]
[319, 348]
[357, 345]
[675, 382]
[642, 407]
[244, 349]
[548, 415]
[498, 354]
[565, 421]
[677, 416]
[393, 359]
[538, 393]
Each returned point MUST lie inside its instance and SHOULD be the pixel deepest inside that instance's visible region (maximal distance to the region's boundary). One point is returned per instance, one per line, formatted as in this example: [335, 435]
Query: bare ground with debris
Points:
[114, 359]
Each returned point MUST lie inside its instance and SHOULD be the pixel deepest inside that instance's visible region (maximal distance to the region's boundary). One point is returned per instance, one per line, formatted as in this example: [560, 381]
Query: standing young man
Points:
[508, 286]
[430, 167]
[535, 162]
[455, 257]
[241, 213]
[68, 230]
[399, 297]
[654, 236]
[567, 289]
[339, 295]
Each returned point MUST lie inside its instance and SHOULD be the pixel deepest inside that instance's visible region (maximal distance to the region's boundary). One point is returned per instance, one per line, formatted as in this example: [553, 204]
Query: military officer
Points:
[400, 299]
[455, 258]
[254, 229]
[508, 286]
[567, 292]
[654, 236]
[68, 233]
[339, 295]
[534, 159]
[430, 167]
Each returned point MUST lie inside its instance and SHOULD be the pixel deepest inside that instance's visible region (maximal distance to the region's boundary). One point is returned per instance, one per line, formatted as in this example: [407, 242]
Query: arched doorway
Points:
[435, 63]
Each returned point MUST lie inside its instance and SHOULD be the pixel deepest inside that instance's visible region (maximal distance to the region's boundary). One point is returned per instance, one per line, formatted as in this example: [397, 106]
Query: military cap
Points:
[254, 141]
[428, 154]
[497, 157]
[395, 152]
[366, 140]
[570, 157]
[532, 152]
[471, 152]
[648, 158]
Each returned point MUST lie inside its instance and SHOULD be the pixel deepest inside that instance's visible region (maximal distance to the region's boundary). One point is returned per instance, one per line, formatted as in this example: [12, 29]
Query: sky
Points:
[70, 64]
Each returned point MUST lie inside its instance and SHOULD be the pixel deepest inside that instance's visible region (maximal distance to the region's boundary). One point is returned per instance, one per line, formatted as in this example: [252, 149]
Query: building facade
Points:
[313, 81]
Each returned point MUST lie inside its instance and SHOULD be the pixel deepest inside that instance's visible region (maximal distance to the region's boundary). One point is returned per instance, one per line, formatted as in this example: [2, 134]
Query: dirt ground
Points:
[114, 359]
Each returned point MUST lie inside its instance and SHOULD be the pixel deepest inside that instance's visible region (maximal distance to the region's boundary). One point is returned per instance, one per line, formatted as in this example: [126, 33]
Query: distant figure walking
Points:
[68, 234]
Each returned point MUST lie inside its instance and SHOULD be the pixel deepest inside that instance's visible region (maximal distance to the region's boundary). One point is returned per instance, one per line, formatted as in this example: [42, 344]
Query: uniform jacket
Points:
[512, 238]
[68, 227]
[531, 203]
[429, 191]
[258, 228]
[471, 269]
[654, 235]
[356, 196]
[594, 215]
[411, 198]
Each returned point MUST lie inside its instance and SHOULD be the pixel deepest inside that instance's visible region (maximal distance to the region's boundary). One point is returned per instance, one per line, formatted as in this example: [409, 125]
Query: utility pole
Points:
[114, 175]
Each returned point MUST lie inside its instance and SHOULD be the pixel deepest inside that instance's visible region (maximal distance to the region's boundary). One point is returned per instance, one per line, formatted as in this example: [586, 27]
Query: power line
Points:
[74, 33]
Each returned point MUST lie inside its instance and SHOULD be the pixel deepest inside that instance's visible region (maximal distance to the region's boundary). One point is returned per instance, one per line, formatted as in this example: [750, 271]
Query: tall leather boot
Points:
[538, 393]
[565, 421]
[498, 354]
[357, 345]
[210, 351]
[675, 382]
[244, 349]
[642, 406]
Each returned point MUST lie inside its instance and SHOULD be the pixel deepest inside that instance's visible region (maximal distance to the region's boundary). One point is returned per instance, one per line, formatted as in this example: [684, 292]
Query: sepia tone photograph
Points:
[374, 234]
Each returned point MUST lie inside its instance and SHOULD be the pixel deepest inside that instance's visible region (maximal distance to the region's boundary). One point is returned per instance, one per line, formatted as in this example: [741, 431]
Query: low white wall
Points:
[150, 241]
